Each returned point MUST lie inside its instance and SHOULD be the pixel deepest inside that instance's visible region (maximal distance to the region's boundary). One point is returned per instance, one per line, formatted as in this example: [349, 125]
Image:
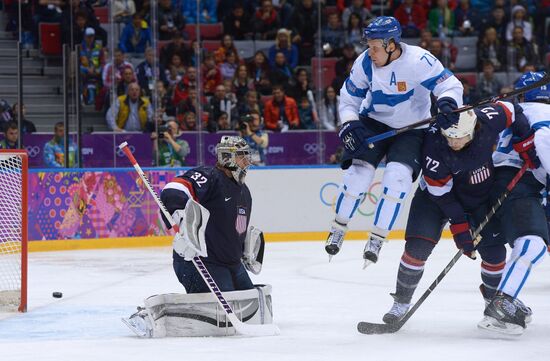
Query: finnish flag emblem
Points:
[240, 222]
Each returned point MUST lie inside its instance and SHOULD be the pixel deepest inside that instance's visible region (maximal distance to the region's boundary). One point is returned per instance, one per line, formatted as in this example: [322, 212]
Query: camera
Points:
[161, 130]
[243, 120]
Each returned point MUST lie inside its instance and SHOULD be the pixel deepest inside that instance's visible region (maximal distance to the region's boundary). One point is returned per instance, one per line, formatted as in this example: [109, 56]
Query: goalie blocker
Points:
[186, 315]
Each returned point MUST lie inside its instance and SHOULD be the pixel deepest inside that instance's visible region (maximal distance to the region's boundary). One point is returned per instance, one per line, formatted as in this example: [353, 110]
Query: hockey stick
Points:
[376, 138]
[381, 328]
[240, 327]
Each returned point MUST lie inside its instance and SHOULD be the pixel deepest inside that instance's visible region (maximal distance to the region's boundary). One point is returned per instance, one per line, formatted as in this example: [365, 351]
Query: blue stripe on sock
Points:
[395, 213]
[340, 199]
[356, 205]
[378, 211]
[523, 251]
[529, 271]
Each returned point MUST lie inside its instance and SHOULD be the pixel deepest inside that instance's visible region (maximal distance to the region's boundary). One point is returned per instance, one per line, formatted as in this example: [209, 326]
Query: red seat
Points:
[208, 31]
[469, 76]
[211, 45]
[327, 71]
[102, 14]
[50, 39]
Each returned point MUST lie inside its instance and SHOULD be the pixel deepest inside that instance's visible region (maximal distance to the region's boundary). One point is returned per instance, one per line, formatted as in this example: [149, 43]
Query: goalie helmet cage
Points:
[13, 230]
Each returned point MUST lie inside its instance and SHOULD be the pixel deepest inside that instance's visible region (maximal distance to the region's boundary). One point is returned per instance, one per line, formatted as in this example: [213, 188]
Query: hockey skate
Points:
[397, 311]
[139, 323]
[335, 239]
[519, 304]
[503, 316]
[372, 249]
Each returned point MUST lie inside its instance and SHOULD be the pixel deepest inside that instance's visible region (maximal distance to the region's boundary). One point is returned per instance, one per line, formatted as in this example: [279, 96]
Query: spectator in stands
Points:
[181, 89]
[280, 72]
[123, 10]
[11, 134]
[308, 115]
[207, 11]
[144, 73]
[426, 38]
[491, 48]
[333, 36]
[54, 150]
[412, 17]
[250, 129]
[497, 20]
[284, 45]
[169, 20]
[242, 83]
[257, 67]
[348, 56]
[446, 53]
[281, 112]
[354, 33]
[229, 67]
[469, 95]
[250, 103]
[188, 121]
[6, 114]
[27, 127]
[338, 81]
[357, 7]
[83, 17]
[301, 87]
[130, 112]
[175, 70]
[285, 8]
[520, 51]
[92, 59]
[222, 102]
[163, 100]
[303, 24]
[487, 84]
[171, 152]
[135, 36]
[467, 19]
[380, 7]
[328, 109]
[191, 104]
[128, 77]
[266, 21]
[441, 19]
[519, 19]
[226, 46]
[176, 46]
[238, 23]
[211, 75]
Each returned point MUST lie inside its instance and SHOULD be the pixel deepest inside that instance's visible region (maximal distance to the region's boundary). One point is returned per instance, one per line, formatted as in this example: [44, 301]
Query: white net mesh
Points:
[11, 219]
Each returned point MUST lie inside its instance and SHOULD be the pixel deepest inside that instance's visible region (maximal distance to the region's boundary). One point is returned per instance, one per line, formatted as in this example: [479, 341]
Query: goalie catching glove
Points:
[253, 250]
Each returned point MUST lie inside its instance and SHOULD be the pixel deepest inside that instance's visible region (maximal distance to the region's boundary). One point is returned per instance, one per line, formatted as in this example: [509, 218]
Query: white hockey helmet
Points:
[227, 151]
[465, 126]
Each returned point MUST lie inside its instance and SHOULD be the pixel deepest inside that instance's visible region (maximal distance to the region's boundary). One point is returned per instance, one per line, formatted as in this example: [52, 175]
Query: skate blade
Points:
[131, 325]
[503, 328]
[329, 258]
[367, 263]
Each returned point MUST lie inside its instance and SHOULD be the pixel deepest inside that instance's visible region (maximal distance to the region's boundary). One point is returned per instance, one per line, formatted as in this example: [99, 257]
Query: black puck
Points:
[57, 294]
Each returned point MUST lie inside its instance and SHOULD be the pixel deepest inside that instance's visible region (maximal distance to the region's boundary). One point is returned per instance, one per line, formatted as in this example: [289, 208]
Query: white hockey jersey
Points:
[397, 94]
[538, 115]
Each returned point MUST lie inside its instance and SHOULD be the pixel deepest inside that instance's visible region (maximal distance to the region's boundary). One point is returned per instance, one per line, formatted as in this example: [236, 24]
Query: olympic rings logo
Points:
[212, 149]
[32, 150]
[329, 193]
[120, 153]
[312, 148]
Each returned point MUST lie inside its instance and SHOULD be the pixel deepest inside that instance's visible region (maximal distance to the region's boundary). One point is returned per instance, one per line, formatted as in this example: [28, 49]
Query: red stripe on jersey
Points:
[437, 182]
[493, 267]
[508, 114]
[408, 259]
[187, 185]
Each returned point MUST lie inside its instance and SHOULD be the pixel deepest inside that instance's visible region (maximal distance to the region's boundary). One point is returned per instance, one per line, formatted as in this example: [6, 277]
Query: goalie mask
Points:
[464, 128]
[233, 153]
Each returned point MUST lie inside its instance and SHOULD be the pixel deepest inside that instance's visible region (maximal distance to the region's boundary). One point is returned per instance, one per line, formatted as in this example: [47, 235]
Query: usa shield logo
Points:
[240, 222]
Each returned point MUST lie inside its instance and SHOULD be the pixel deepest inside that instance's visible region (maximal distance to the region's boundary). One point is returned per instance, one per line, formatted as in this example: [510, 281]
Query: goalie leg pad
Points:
[198, 315]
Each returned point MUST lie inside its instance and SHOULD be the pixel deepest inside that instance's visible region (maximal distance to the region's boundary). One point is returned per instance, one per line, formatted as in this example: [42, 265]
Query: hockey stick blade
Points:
[369, 328]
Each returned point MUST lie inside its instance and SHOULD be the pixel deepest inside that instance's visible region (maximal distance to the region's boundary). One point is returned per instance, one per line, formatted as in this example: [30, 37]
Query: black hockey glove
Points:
[446, 118]
[526, 150]
[353, 135]
[463, 238]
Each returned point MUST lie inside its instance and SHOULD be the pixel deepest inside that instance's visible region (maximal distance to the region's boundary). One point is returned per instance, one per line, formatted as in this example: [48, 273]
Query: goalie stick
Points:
[241, 327]
[376, 138]
[370, 328]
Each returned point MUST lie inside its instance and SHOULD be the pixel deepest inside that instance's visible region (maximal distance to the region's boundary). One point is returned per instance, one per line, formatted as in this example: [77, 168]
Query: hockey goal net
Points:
[13, 230]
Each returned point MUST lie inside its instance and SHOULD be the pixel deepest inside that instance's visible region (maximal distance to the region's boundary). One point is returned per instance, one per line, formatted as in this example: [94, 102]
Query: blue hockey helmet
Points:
[542, 93]
[384, 28]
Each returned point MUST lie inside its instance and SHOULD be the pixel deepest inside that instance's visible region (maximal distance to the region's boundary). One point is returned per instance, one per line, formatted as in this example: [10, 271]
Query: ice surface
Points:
[317, 306]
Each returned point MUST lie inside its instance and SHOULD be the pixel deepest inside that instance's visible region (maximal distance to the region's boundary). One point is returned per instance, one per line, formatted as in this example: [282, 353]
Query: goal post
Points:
[13, 230]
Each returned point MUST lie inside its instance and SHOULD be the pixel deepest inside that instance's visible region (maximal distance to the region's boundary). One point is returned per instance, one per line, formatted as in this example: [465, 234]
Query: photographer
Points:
[250, 128]
[171, 151]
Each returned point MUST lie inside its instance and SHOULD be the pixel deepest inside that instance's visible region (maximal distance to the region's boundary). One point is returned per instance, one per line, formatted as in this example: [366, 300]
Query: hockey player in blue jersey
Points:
[521, 216]
[389, 87]
[457, 176]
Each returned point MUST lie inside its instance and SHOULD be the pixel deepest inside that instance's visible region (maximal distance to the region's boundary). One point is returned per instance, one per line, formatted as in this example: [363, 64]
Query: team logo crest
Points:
[240, 222]
[402, 86]
[480, 175]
